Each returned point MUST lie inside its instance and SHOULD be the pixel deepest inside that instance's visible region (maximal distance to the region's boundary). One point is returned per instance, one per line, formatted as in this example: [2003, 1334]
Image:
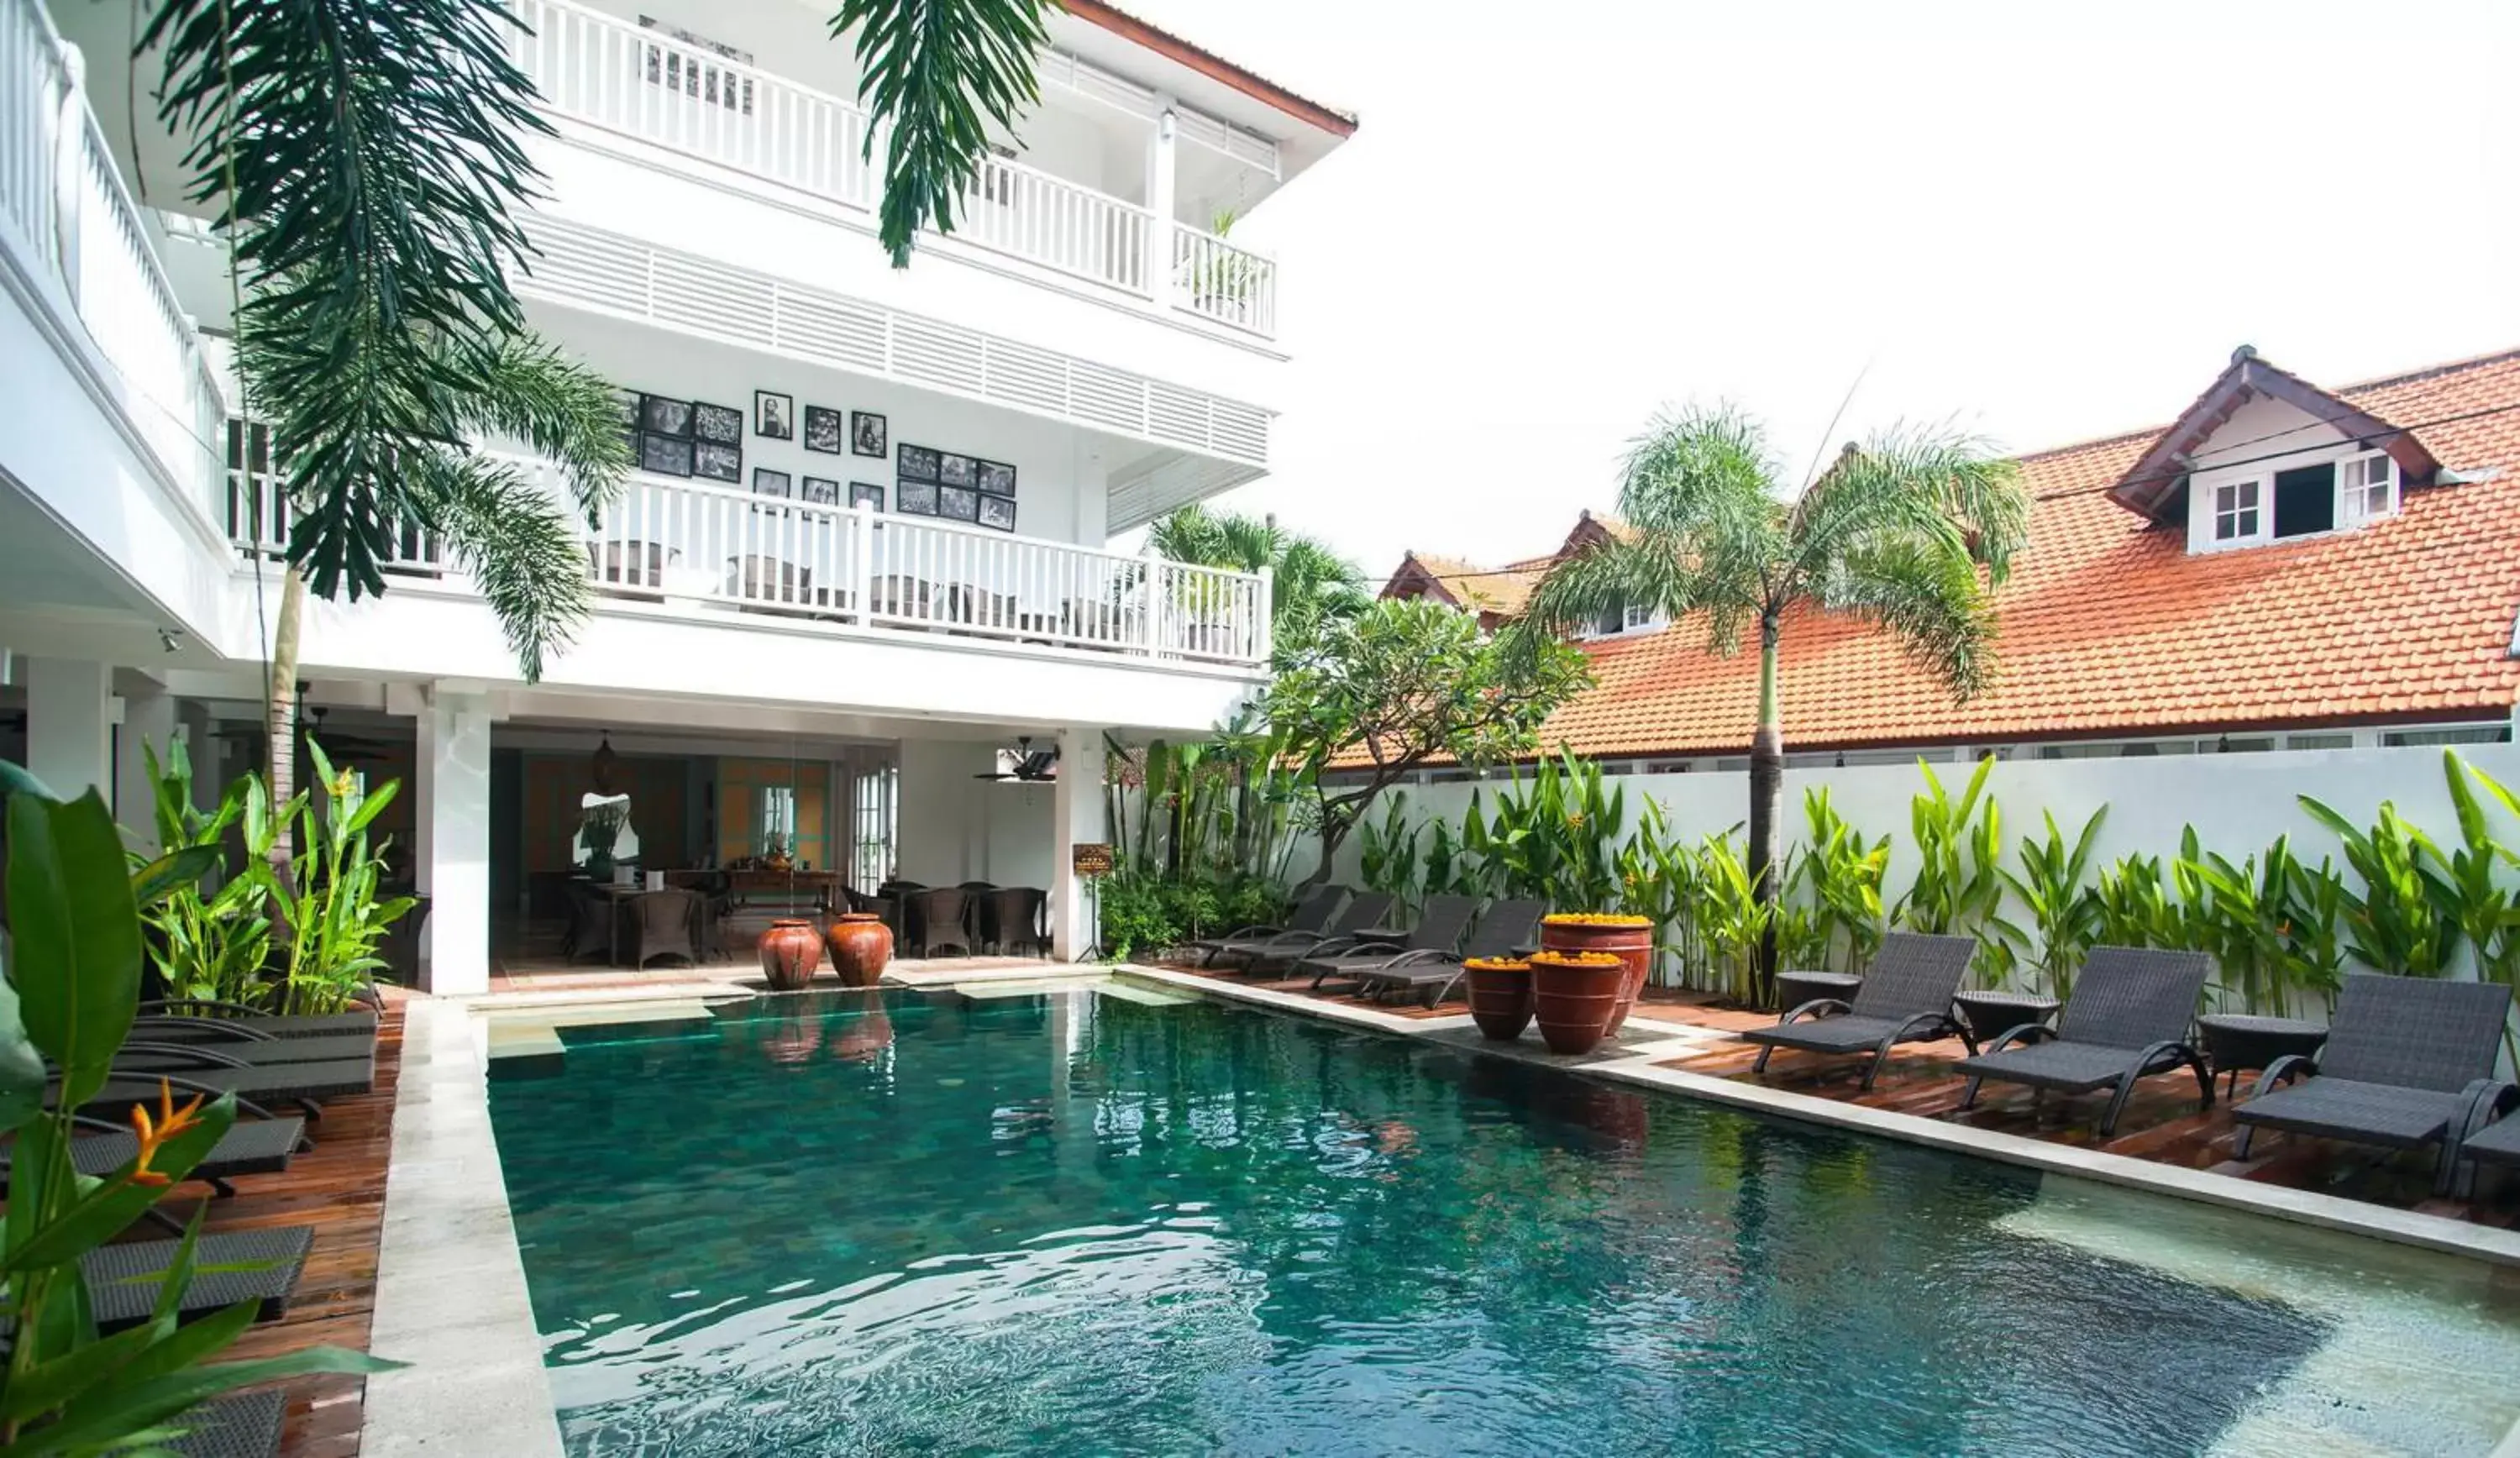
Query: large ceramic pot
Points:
[1628, 937]
[1573, 994]
[791, 953]
[1500, 996]
[860, 945]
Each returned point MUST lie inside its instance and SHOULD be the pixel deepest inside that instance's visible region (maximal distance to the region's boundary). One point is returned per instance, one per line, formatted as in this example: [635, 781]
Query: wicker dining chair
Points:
[668, 925]
[940, 917]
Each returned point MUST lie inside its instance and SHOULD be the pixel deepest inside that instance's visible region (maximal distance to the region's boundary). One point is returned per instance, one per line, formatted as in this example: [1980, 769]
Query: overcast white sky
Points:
[2045, 221]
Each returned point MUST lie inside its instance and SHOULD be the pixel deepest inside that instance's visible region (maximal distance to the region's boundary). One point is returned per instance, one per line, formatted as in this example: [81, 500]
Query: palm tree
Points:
[364, 163]
[1310, 585]
[1896, 531]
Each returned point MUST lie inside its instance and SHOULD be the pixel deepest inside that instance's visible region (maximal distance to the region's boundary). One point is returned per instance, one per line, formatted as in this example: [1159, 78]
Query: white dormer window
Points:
[2369, 487]
[1635, 616]
[2235, 510]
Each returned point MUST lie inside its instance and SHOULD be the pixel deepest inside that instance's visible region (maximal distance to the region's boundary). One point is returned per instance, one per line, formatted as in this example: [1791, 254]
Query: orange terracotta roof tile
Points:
[2110, 628]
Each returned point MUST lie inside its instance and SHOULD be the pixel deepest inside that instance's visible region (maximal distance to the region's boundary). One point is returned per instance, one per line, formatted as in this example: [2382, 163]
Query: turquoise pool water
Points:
[1076, 1224]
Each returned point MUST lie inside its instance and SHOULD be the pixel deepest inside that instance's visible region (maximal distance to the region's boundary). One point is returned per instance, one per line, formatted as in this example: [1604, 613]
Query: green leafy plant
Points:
[2062, 908]
[1842, 875]
[1732, 918]
[71, 991]
[1959, 848]
[1555, 836]
[2403, 918]
[336, 920]
[212, 945]
[1388, 855]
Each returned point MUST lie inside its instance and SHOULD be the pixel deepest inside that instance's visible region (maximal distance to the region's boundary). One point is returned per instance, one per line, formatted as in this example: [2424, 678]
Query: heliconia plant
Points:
[1842, 875]
[2402, 919]
[1959, 848]
[2056, 898]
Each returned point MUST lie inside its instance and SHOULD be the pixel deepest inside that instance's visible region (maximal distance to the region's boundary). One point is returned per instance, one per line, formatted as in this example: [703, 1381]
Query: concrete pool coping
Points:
[1635, 1064]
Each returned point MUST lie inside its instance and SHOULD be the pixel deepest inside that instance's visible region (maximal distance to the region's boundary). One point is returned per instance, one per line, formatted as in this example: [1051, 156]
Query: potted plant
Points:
[1628, 937]
[1573, 996]
[1500, 996]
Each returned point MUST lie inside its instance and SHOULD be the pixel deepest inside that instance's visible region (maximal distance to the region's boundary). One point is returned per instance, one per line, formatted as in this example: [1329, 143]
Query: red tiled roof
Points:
[2109, 627]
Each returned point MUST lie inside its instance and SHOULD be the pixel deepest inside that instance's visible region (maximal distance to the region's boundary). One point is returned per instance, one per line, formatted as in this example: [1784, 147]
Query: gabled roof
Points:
[2151, 485]
[2110, 628]
[1499, 591]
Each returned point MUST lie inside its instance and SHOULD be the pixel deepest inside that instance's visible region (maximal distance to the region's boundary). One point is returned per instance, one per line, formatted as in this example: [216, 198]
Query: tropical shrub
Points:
[1842, 876]
[2063, 910]
[212, 946]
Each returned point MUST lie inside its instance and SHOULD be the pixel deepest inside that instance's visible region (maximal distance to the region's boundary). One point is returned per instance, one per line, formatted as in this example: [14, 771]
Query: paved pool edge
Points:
[2301, 1206]
[450, 1295]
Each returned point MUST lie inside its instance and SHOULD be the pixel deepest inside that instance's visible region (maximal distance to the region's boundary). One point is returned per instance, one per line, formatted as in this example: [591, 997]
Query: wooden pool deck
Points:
[2163, 1122]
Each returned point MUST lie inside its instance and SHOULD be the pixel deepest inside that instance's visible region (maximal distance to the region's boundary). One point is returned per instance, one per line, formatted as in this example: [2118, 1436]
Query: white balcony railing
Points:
[706, 550]
[643, 84]
[1218, 281]
[62, 200]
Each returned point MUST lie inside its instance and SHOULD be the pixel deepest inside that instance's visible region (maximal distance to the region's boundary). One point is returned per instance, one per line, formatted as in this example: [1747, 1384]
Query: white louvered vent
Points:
[1021, 374]
[1176, 415]
[1086, 80]
[937, 354]
[704, 295]
[1249, 147]
[1240, 431]
[1109, 397]
[590, 269]
[838, 331]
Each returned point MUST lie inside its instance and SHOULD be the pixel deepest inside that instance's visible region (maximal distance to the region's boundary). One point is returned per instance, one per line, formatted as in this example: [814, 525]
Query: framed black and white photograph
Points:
[665, 454]
[914, 498]
[955, 470]
[823, 429]
[917, 463]
[868, 434]
[960, 503]
[997, 478]
[820, 493]
[722, 424]
[774, 416]
[628, 400]
[865, 493]
[713, 462]
[658, 416]
[768, 482]
[998, 512]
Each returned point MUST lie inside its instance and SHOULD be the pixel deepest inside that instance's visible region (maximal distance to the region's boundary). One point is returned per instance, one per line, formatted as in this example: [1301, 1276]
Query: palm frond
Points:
[514, 541]
[526, 389]
[1928, 596]
[937, 74]
[1928, 485]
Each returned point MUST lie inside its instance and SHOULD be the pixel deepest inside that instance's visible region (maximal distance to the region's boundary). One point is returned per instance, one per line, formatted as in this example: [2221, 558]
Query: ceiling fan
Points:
[1025, 765]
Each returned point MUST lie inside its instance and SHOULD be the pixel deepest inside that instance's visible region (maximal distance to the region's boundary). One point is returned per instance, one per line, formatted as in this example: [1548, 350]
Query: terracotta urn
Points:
[860, 944]
[1500, 996]
[1628, 937]
[1573, 996]
[791, 953]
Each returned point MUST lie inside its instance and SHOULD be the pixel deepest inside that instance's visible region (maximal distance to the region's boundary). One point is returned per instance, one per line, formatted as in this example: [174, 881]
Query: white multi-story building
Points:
[866, 550]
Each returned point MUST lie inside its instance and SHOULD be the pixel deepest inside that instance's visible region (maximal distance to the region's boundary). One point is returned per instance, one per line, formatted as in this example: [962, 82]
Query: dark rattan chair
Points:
[590, 924]
[2129, 1017]
[231, 1266]
[2496, 1143]
[1010, 917]
[1442, 925]
[1311, 915]
[240, 1425]
[2407, 1062]
[668, 926]
[223, 1016]
[1509, 928]
[1904, 998]
[1366, 910]
[939, 918]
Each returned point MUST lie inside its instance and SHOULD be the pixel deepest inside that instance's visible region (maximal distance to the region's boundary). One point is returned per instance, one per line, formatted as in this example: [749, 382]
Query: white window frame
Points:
[2354, 494]
[2346, 458]
[2258, 509]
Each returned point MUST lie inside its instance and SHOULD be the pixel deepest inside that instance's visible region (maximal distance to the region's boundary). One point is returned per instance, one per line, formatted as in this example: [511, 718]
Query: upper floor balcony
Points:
[1113, 187]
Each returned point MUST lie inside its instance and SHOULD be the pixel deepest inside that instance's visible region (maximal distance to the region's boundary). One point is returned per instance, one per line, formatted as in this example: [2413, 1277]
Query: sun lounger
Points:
[1311, 918]
[240, 1425]
[122, 1280]
[1507, 929]
[251, 1146]
[2407, 1059]
[1363, 914]
[1442, 923]
[2129, 1017]
[1907, 997]
[214, 1014]
[137, 1070]
[238, 1040]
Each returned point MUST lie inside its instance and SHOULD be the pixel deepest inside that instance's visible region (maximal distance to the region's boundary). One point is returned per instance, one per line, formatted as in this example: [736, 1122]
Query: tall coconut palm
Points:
[1911, 530]
[1310, 585]
[364, 162]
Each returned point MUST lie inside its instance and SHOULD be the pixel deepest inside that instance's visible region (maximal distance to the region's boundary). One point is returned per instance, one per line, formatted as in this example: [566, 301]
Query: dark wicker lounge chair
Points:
[240, 1425]
[2408, 1060]
[2496, 1143]
[1507, 928]
[138, 1069]
[1442, 923]
[1362, 914]
[221, 1016]
[1906, 997]
[251, 1146]
[228, 1267]
[1312, 915]
[239, 1039]
[2129, 1017]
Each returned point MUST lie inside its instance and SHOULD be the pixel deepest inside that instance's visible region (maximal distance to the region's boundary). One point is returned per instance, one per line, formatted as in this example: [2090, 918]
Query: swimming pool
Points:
[1075, 1222]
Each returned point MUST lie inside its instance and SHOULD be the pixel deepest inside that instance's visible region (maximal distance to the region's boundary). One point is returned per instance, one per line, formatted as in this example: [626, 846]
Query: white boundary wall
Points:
[2238, 803]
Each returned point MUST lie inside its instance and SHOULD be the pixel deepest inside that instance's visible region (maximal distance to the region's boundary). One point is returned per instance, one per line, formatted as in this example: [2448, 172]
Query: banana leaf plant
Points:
[212, 945]
[2063, 910]
[2404, 918]
[1842, 874]
[336, 920]
[71, 992]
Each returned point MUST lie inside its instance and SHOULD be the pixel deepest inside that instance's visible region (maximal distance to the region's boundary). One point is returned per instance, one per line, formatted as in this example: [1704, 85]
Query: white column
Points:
[451, 850]
[202, 746]
[147, 720]
[1159, 201]
[1076, 818]
[69, 725]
